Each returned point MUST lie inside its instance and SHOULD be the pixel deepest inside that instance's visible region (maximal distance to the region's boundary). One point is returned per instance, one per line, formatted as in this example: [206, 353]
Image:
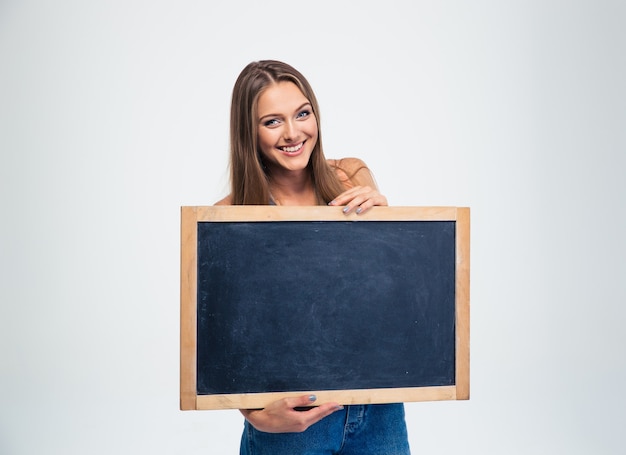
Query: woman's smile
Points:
[292, 150]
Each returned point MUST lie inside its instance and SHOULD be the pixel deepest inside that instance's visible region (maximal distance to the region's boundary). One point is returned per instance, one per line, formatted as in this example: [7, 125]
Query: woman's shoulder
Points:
[349, 164]
[228, 200]
[352, 170]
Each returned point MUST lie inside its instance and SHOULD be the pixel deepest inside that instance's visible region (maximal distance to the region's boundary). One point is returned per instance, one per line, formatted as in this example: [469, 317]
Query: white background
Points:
[113, 114]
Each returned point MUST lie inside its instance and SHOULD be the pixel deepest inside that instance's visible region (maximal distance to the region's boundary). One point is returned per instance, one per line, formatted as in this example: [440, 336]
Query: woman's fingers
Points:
[283, 417]
[359, 199]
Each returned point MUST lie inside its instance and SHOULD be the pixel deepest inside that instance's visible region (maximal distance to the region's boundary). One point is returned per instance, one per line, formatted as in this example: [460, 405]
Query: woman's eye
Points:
[304, 114]
[271, 122]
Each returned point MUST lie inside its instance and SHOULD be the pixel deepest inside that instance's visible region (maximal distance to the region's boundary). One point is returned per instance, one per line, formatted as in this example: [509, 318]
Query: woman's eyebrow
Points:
[304, 105]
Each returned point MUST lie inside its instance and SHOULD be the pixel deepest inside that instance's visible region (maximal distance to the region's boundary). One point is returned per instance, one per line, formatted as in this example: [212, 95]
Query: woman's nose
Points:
[290, 132]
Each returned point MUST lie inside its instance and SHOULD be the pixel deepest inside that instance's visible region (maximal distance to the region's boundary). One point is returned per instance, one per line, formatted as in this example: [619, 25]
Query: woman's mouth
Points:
[292, 149]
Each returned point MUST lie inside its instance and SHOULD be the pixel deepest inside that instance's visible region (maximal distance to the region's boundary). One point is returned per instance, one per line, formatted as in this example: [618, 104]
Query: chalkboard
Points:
[291, 300]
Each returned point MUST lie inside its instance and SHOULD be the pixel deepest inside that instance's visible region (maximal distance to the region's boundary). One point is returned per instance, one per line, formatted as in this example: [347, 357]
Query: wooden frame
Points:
[191, 215]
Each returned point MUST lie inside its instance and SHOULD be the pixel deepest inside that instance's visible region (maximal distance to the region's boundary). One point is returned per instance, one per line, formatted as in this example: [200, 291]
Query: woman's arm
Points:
[362, 192]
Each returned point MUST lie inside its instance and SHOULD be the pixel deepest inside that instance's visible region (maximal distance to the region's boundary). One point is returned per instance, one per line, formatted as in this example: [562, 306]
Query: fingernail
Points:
[345, 209]
[339, 407]
[331, 203]
[359, 210]
[312, 398]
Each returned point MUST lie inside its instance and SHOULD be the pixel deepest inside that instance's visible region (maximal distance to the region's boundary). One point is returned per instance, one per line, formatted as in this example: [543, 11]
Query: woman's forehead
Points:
[281, 97]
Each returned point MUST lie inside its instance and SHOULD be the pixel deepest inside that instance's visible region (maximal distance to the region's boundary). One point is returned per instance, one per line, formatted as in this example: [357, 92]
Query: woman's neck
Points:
[292, 187]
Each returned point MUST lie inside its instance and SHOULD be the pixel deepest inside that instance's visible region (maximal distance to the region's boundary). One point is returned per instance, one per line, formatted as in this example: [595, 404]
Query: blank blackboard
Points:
[296, 300]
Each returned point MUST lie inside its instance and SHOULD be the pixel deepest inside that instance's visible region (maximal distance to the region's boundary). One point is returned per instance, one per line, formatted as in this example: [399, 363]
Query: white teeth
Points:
[292, 149]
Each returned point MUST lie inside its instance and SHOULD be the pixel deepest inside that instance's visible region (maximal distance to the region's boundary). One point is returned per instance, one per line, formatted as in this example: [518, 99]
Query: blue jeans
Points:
[375, 429]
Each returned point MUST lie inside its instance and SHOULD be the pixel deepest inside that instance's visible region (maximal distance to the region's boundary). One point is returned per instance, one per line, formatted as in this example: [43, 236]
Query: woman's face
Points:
[287, 129]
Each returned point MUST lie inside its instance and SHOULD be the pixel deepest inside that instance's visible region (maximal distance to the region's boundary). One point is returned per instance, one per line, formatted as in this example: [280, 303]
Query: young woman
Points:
[277, 159]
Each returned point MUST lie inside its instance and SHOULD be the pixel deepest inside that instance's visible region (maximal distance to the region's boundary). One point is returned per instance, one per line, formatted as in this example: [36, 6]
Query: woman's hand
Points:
[281, 417]
[360, 199]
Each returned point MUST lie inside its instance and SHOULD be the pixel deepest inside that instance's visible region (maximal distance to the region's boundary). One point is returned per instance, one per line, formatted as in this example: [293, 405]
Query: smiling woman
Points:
[277, 158]
[276, 147]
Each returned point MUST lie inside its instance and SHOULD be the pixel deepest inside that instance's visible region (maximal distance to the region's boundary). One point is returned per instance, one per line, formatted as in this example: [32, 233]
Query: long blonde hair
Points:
[249, 179]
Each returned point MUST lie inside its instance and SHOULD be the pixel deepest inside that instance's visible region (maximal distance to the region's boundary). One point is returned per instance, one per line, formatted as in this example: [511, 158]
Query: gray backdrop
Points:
[113, 114]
